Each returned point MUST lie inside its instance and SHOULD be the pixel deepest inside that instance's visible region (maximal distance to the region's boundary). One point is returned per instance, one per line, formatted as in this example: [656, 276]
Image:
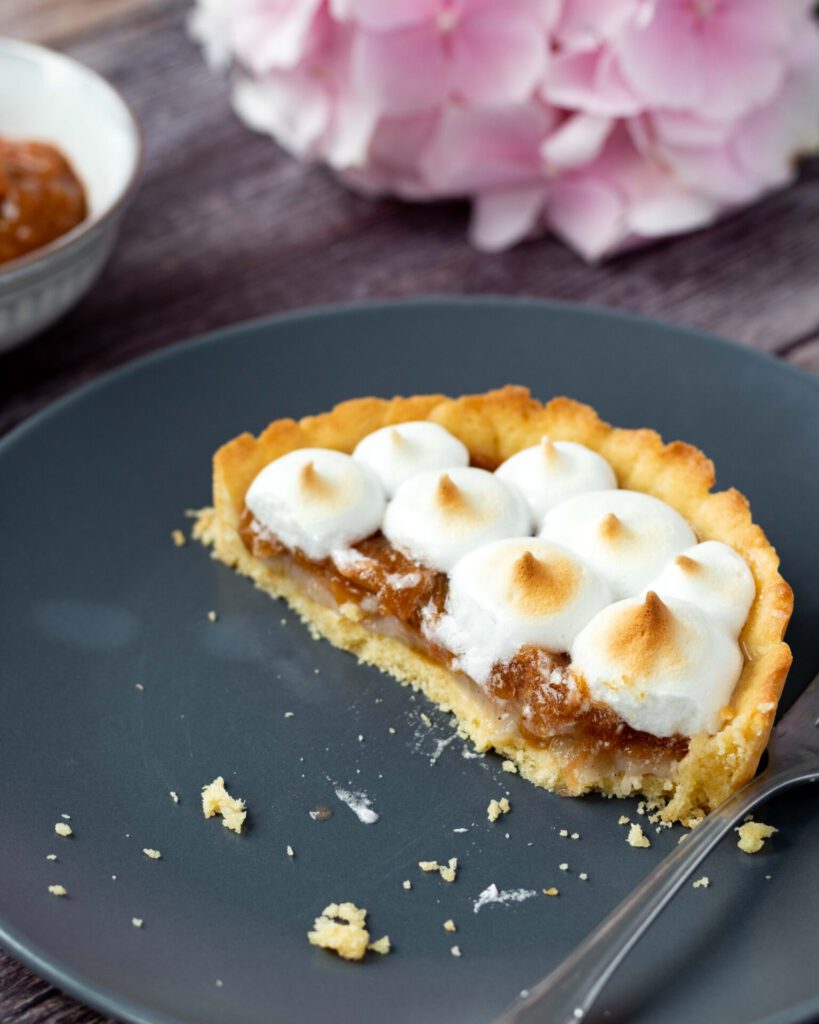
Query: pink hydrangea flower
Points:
[608, 122]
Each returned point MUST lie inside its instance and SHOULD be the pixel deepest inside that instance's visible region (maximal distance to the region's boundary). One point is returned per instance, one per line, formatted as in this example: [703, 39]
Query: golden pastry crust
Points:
[494, 426]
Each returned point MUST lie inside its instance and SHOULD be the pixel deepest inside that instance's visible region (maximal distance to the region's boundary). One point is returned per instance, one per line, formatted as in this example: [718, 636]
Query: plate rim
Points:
[330, 310]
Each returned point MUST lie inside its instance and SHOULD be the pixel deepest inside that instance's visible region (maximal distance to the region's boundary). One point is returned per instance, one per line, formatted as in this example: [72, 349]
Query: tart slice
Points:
[575, 594]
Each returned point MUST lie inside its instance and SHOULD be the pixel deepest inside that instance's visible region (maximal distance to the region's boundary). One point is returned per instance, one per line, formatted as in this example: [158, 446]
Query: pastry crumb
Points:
[509, 766]
[575, 835]
[752, 836]
[217, 800]
[552, 891]
[289, 714]
[341, 928]
[701, 883]
[407, 884]
[174, 796]
[623, 820]
[139, 686]
[290, 851]
[564, 832]
[564, 866]
[152, 854]
[212, 616]
[51, 856]
[447, 871]
[382, 945]
[179, 538]
[63, 830]
[426, 719]
[455, 951]
[137, 922]
[391, 731]
[583, 876]
[58, 890]
[636, 837]
[219, 983]
[450, 926]
[498, 807]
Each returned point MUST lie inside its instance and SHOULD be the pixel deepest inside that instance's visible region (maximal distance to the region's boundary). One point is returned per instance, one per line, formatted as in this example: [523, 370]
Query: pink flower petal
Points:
[576, 142]
[498, 54]
[475, 150]
[500, 219]
[385, 66]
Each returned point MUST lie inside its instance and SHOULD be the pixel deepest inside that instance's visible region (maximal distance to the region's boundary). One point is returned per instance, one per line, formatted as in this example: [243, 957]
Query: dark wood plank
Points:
[225, 226]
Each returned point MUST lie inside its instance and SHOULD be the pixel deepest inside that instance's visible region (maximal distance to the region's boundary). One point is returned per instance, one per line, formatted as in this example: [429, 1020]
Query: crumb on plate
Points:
[498, 807]
[217, 800]
[636, 837]
[752, 836]
[341, 928]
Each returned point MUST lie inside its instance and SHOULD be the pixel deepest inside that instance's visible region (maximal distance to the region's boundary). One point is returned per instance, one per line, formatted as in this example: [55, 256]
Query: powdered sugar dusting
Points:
[359, 803]
[503, 896]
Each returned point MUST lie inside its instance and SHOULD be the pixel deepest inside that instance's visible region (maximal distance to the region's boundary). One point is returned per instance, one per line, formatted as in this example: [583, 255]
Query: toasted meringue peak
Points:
[450, 498]
[514, 593]
[312, 485]
[552, 471]
[611, 528]
[399, 452]
[540, 586]
[630, 552]
[662, 665]
[645, 637]
[317, 500]
[550, 453]
[438, 518]
[712, 576]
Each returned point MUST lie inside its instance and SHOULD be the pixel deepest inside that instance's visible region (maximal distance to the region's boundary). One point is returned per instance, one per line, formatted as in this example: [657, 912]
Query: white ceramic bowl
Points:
[51, 98]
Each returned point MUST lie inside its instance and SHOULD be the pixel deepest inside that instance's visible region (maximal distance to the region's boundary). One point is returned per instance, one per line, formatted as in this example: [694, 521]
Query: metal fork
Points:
[567, 994]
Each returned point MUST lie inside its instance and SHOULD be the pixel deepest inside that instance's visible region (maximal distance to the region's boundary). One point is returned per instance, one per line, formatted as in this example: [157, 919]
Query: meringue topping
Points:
[399, 452]
[312, 485]
[662, 665]
[627, 536]
[317, 500]
[540, 586]
[449, 498]
[552, 471]
[610, 527]
[437, 518]
[512, 593]
[715, 578]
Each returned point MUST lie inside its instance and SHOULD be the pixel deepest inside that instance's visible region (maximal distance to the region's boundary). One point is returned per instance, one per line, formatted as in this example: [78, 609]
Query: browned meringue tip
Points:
[688, 565]
[397, 439]
[644, 636]
[541, 587]
[449, 496]
[312, 482]
[550, 453]
[611, 527]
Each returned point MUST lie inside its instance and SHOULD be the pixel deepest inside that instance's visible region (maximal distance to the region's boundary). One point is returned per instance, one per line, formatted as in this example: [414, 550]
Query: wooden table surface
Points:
[225, 227]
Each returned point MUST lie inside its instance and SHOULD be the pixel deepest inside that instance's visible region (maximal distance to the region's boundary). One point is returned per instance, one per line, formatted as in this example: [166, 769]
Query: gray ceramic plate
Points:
[96, 599]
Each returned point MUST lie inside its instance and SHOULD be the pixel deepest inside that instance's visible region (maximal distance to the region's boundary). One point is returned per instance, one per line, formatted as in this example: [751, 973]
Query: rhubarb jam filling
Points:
[546, 703]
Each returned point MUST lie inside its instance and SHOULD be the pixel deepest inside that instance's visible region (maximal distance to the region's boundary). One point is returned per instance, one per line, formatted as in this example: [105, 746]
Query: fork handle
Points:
[567, 994]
